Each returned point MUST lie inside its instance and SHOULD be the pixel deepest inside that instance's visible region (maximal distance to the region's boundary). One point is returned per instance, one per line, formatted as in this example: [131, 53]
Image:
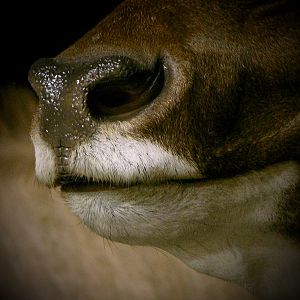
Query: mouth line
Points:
[83, 184]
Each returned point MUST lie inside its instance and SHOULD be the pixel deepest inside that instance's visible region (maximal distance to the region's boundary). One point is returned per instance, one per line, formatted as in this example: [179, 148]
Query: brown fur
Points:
[240, 61]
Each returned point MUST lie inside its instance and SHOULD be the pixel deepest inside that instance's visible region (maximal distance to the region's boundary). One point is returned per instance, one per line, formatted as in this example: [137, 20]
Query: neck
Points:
[268, 269]
[247, 243]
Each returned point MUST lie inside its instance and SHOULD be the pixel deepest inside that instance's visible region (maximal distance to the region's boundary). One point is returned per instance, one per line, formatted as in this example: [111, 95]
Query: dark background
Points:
[31, 30]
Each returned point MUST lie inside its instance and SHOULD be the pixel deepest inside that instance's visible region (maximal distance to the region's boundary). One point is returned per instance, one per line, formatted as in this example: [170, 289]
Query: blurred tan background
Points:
[46, 253]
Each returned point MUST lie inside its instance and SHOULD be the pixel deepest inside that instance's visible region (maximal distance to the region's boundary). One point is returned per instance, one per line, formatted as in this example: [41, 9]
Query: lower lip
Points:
[93, 187]
[82, 188]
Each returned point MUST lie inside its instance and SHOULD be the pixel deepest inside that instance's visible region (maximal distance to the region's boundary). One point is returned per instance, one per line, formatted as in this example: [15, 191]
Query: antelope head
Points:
[175, 124]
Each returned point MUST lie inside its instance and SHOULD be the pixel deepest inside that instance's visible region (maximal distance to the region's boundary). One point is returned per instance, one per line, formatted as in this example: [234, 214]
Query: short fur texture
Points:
[228, 114]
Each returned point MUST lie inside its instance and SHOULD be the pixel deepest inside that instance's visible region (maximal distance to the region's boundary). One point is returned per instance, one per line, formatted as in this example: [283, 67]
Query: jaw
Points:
[174, 214]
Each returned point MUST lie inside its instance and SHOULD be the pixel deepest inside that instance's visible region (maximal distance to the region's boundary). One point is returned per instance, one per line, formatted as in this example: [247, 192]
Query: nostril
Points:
[119, 98]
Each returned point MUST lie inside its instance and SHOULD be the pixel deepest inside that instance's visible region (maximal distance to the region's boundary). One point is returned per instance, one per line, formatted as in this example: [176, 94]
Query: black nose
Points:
[76, 96]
